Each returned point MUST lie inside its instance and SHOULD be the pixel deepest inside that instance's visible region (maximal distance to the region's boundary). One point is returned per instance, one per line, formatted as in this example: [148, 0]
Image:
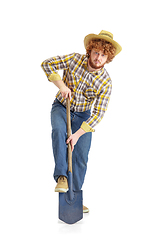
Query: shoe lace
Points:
[62, 178]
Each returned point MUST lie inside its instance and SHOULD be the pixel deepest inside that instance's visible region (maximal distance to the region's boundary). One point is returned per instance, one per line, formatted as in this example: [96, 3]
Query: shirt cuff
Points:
[86, 127]
[54, 77]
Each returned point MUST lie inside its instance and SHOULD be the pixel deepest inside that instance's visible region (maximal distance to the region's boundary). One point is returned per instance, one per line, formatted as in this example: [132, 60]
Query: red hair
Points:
[100, 44]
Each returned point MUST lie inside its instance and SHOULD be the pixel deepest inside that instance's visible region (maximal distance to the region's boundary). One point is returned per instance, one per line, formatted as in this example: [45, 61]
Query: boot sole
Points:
[62, 190]
[86, 211]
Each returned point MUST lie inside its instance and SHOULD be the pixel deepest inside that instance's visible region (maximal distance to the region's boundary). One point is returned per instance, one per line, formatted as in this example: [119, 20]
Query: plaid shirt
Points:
[87, 87]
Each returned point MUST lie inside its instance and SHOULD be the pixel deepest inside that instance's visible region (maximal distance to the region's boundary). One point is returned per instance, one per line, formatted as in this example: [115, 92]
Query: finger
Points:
[68, 140]
[65, 96]
[72, 147]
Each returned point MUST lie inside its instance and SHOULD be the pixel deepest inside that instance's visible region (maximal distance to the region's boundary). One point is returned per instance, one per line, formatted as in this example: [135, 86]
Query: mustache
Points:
[94, 65]
[96, 61]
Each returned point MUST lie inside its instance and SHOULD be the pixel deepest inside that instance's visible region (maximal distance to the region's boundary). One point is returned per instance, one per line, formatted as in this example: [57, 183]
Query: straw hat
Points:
[107, 36]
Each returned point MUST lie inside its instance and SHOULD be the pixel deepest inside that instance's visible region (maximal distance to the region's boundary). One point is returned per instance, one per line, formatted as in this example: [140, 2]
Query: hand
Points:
[74, 138]
[65, 92]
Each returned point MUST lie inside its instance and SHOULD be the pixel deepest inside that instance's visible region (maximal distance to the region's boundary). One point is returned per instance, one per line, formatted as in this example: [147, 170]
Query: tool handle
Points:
[69, 134]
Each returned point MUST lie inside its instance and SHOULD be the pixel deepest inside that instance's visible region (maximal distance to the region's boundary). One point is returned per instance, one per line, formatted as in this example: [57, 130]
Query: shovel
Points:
[71, 202]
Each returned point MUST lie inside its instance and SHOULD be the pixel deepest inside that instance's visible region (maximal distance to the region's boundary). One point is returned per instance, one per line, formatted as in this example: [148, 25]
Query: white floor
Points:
[122, 185]
[30, 211]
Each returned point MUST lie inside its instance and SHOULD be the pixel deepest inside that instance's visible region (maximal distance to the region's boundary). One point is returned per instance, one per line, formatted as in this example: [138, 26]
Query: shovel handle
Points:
[69, 134]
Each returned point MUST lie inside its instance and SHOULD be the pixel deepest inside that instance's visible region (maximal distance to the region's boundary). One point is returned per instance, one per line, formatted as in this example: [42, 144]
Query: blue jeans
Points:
[59, 137]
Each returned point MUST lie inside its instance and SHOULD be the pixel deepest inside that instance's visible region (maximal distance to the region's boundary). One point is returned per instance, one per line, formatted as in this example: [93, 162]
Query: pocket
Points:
[90, 93]
[88, 112]
[56, 104]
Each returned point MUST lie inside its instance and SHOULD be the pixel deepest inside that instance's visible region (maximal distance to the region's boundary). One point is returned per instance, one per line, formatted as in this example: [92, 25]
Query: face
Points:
[97, 59]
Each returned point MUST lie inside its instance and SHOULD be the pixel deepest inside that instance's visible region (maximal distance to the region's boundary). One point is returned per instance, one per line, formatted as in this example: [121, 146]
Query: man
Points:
[86, 82]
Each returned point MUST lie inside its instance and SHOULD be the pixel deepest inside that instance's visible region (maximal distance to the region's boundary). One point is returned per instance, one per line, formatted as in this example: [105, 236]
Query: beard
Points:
[94, 64]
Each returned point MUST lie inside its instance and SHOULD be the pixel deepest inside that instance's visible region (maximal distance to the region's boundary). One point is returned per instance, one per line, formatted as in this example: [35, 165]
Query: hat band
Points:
[105, 34]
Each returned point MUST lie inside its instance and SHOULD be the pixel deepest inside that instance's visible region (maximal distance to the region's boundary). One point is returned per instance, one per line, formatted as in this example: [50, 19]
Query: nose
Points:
[98, 56]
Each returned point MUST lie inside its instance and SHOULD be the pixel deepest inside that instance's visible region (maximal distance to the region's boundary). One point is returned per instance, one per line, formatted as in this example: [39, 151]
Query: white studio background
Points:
[122, 182]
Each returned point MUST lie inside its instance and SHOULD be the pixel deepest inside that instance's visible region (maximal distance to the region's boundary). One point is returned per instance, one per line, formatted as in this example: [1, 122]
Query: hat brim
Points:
[90, 37]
